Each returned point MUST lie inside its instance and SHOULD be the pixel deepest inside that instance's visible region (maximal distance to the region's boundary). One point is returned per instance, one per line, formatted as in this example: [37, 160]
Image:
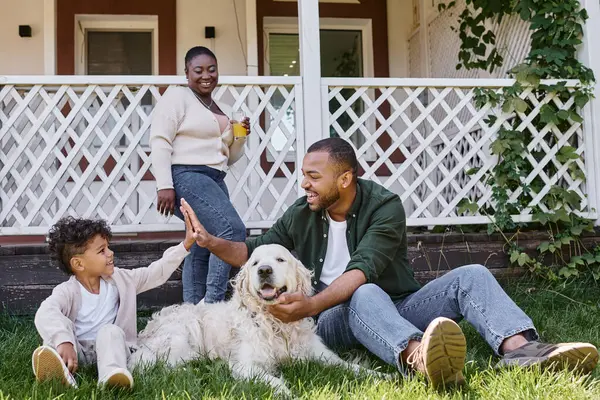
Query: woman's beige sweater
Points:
[185, 132]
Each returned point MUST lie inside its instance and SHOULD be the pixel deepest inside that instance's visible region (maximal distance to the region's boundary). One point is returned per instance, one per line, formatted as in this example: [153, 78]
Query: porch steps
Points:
[27, 275]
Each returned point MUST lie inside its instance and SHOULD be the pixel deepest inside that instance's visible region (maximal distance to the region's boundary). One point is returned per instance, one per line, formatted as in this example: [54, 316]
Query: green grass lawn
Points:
[563, 314]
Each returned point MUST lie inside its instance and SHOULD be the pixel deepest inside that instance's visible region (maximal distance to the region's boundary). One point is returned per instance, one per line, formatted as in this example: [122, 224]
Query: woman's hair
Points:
[198, 51]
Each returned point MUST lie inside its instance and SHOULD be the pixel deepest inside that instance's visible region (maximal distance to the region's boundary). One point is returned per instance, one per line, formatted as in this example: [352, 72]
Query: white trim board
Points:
[120, 23]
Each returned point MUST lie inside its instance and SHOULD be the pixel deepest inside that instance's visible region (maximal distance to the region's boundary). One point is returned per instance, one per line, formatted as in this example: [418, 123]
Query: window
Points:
[346, 51]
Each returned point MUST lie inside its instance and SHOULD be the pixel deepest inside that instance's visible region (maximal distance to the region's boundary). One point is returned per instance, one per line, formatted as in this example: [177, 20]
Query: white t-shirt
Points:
[96, 310]
[337, 256]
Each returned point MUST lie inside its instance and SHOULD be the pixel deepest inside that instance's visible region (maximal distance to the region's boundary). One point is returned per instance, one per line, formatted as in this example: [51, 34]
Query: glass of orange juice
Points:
[239, 131]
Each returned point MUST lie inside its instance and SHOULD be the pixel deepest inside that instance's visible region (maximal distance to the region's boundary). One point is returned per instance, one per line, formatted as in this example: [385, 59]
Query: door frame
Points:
[115, 23]
[290, 25]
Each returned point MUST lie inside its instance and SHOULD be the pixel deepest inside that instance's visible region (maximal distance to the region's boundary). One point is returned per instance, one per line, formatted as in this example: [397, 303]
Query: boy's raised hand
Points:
[200, 234]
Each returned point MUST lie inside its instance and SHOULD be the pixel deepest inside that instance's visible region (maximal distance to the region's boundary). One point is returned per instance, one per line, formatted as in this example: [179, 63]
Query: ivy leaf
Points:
[576, 117]
[508, 106]
[547, 114]
[523, 259]
[498, 147]
[562, 215]
[581, 100]
[478, 30]
[563, 114]
[514, 256]
[567, 153]
[520, 105]
[577, 230]
[543, 247]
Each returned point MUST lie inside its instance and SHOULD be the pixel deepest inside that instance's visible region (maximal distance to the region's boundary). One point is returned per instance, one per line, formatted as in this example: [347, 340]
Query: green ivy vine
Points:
[556, 28]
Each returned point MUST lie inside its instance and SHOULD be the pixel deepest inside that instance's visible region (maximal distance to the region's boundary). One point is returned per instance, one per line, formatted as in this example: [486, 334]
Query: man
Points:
[352, 234]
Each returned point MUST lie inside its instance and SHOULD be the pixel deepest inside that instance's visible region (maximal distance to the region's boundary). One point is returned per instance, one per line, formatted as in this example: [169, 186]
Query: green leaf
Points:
[498, 147]
[514, 256]
[547, 114]
[508, 106]
[575, 117]
[543, 247]
[563, 114]
[523, 259]
[520, 105]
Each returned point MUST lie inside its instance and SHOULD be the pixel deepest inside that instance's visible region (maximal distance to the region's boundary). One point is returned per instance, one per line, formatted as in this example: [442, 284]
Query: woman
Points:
[192, 145]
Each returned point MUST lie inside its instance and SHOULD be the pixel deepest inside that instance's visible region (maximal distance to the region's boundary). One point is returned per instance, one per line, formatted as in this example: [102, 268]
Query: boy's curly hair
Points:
[70, 236]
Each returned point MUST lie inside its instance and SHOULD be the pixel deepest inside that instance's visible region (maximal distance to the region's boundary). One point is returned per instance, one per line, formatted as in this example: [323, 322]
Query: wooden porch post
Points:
[591, 128]
[310, 69]
[424, 40]
[252, 70]
[49, 37]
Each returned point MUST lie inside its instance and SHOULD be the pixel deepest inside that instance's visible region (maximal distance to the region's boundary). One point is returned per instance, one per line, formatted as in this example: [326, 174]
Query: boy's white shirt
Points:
[55, 319]
[96, 310]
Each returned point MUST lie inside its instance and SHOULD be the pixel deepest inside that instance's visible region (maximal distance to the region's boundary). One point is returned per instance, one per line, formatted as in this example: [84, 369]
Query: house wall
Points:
[230, 49]
[25, 56]
[399, 21]
[21, 56]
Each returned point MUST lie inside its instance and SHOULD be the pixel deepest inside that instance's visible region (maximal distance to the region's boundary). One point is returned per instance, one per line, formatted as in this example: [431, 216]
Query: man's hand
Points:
[190, 235]
[165, 204]
[201, 236]
[69, 356]
[293, 307]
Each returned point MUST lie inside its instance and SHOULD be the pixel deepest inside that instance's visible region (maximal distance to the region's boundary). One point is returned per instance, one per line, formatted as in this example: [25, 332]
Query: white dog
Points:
[240, 331]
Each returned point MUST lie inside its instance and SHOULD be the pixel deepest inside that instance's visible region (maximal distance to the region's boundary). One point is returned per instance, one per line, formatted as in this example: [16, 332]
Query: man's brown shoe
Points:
[441, 354]
[580, 357]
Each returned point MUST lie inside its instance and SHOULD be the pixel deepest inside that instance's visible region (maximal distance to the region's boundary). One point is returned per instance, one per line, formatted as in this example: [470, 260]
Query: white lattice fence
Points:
[79, 146]
[437, 156]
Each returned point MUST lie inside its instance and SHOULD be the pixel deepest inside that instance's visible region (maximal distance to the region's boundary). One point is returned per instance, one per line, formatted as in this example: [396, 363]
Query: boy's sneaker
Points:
[441, 354]
[118, 378]
[47, 364]
[580, 357]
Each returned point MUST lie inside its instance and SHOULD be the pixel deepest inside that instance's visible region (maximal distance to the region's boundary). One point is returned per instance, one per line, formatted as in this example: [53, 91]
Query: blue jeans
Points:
[204, 274]
[384, 327]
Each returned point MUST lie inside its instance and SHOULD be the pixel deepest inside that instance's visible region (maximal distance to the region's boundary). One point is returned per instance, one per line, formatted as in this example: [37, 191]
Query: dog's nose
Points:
[264, 271]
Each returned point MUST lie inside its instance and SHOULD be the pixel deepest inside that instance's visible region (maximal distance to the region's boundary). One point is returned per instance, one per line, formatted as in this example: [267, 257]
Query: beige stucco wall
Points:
[21, 56]
[399, 16]
[194, 15]
[26, 55]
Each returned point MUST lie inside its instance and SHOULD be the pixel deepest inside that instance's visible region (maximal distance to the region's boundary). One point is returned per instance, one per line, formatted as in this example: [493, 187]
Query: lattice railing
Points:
[425, 140]
[79, 146]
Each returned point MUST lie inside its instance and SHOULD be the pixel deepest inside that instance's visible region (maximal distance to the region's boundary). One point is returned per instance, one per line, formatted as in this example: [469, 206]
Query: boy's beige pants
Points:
[109, 351]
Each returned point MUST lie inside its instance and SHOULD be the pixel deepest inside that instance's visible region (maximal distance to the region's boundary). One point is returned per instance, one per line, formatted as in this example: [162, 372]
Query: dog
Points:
[241, 331]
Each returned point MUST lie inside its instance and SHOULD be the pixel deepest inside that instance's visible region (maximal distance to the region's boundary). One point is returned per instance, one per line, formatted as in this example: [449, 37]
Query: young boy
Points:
[92, 316]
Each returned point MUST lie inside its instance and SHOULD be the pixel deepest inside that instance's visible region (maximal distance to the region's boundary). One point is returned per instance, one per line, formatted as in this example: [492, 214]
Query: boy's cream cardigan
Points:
[55, 319]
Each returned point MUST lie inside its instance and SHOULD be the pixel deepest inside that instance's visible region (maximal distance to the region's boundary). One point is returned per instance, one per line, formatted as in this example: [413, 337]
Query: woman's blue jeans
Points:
[205, 276]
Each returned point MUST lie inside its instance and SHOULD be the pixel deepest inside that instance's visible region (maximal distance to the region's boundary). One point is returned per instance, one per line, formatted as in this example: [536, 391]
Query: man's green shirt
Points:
[376, 237]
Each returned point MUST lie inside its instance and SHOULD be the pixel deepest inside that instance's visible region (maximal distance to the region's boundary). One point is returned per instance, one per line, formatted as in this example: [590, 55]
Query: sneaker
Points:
[579, 357]
[441, 354]
[119, 378]
[47, 364]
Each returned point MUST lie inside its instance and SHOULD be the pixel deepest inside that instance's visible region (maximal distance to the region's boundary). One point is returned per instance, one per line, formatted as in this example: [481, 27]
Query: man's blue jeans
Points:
[204, 274]
[372, 320]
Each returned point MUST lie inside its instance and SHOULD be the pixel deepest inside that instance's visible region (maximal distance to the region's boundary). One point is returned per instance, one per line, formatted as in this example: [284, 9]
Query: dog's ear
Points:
[240, 282]
[303, 277]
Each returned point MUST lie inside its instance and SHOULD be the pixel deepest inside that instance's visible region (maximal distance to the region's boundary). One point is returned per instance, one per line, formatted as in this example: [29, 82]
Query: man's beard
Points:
[326, 200]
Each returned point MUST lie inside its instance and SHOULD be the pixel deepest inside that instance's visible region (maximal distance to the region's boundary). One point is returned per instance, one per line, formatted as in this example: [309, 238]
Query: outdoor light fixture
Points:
[209, 32]
[25, 30]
